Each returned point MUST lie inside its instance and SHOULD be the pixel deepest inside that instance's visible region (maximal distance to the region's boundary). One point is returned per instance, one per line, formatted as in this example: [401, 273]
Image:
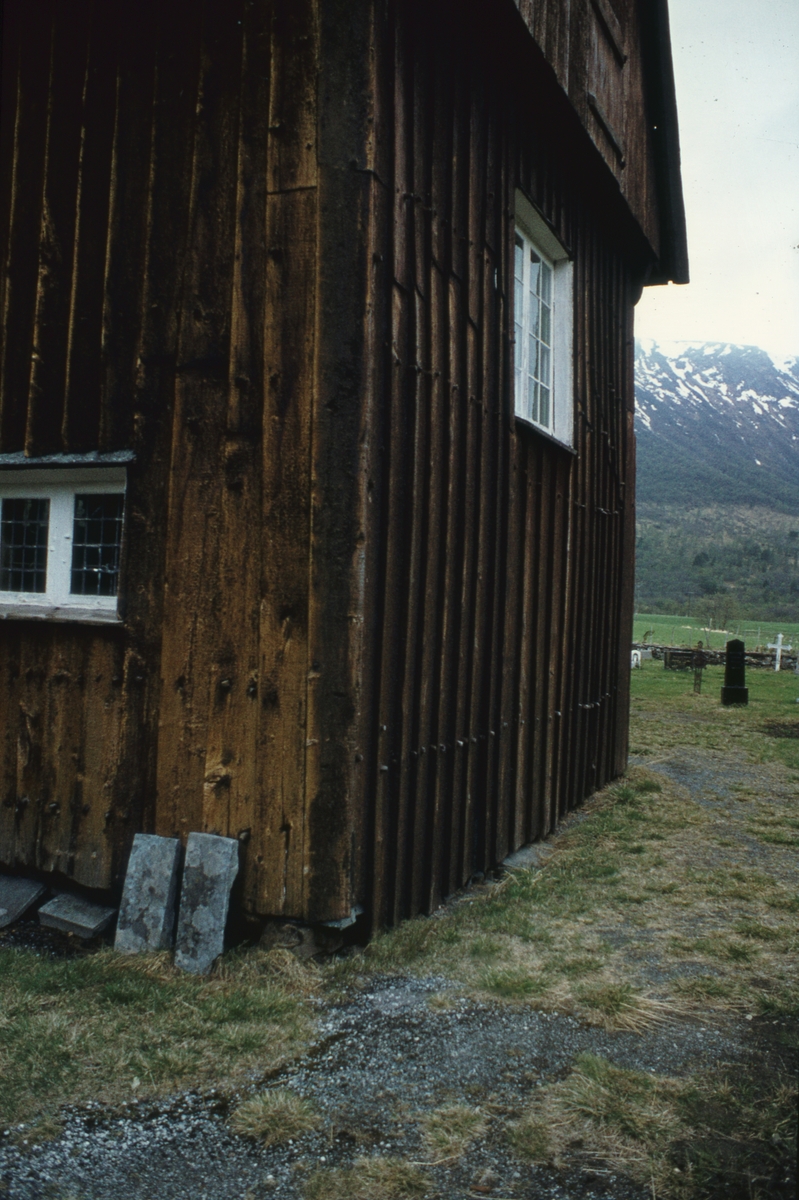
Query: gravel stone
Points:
[379, 1061]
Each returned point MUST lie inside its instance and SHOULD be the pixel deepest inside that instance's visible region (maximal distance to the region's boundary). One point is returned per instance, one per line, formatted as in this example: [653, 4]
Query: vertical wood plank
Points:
[81, 413]
[490, 351]
[192, 585]
[33, 54]
[57, 233]
[288, 355]
[233, 766]
[430, 162]
[123, 275]
[372, 785]
[343, 270]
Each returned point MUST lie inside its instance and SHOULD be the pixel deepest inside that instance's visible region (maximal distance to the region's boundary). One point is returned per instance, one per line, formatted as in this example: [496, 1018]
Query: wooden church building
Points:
[317, 466]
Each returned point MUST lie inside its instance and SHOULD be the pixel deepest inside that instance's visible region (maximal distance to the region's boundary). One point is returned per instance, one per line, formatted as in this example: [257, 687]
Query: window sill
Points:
[60, 613]
[548, 437]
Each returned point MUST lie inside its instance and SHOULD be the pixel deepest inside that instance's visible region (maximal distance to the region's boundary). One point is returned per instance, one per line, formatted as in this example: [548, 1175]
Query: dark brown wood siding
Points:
[373, 627]
[175, 226]
[502, 563]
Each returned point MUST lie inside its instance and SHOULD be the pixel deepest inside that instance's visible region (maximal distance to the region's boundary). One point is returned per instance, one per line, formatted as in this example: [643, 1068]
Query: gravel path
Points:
[379, 1061]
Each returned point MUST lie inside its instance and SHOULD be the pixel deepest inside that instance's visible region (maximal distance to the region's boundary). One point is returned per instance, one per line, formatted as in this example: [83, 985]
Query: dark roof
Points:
[662, 100]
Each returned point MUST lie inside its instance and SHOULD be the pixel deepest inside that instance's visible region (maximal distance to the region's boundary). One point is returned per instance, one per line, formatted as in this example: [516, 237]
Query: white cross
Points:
[778, 646]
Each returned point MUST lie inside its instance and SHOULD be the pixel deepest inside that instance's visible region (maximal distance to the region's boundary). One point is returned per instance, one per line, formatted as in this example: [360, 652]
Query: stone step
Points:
[71, 914]
[16, 897]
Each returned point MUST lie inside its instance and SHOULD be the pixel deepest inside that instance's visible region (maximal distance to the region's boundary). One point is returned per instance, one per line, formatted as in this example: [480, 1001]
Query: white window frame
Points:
[536, 235]
[60, 487]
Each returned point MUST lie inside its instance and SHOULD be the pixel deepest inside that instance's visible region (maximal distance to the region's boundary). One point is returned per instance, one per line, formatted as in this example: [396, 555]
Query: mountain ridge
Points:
[719, 422]
[717, 428]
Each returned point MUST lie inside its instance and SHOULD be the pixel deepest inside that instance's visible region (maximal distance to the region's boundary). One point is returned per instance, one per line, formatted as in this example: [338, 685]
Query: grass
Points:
[651, 864]
[667, 716]
[369, 1179]
[449, 1131]
[274, 1117]
[661, 904]
[111, 1028]
[669, 630]
[722, 1135]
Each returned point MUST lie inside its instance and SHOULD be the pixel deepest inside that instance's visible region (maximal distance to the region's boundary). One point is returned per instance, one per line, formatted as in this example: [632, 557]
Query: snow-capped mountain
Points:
[716, 424]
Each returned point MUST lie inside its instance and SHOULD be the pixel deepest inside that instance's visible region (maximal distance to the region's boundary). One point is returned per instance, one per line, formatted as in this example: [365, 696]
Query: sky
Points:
[736, 69]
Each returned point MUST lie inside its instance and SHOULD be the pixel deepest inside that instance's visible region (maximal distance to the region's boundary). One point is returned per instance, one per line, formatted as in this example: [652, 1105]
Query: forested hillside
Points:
[718, 482]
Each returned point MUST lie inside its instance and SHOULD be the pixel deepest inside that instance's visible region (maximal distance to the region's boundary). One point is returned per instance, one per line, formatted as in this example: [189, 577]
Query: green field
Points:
[666, 715]
[686, 631]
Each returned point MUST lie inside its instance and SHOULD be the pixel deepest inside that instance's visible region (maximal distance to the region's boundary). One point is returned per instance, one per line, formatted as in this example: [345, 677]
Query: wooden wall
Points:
[85, 364]
[372, 627]
[501, 564]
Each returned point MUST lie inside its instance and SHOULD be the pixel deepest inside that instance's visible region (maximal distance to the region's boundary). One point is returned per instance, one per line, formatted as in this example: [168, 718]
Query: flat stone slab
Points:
[212, 864]
[71, 914]
[16, 897]
[147, 909]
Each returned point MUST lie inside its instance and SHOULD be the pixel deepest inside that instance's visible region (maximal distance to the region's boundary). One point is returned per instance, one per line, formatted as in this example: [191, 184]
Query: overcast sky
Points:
[736, 67]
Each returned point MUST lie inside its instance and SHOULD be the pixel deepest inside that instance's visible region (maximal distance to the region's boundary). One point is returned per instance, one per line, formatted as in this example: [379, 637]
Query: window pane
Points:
[96, 541]
[543, 366]
[532, 365]
[546, 284]
[532, 398]
[23, 545]
[535, 266]
[534, 306]
[518, 320]
[518, 316]
[544, 405]
[545, 325]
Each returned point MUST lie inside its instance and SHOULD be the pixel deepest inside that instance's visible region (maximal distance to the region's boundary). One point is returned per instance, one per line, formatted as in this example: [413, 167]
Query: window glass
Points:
[23, 545]
[533, 329]
[518, 304]
[96, 542]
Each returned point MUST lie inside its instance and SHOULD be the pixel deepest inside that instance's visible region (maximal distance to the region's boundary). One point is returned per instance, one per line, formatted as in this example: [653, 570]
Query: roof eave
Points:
[672, 265]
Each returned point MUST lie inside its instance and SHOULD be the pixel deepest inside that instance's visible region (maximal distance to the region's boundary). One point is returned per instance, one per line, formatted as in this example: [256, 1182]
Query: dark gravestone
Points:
[735, 690]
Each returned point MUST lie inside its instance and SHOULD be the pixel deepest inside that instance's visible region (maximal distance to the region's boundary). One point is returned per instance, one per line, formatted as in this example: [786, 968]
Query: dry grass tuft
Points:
[279, 965]
[683, 1138]
[620, 1006]
[449, 1131]
[369, 1179]
[627, 1118]
[274, 1117]
[46, 1129]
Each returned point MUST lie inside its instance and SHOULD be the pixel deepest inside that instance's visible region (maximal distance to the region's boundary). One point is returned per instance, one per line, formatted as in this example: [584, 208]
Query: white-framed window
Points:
[543, 320]
[60, 542]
